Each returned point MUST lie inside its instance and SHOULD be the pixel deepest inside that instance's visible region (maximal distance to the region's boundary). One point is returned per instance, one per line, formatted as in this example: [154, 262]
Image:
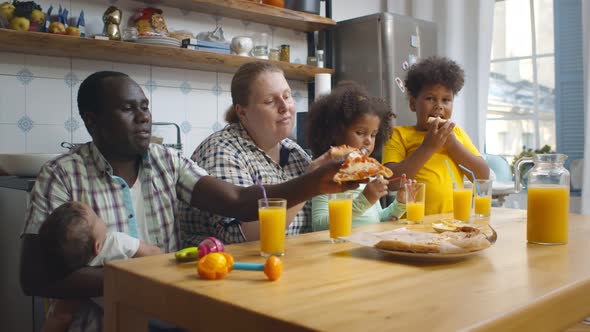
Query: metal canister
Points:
[284, 54]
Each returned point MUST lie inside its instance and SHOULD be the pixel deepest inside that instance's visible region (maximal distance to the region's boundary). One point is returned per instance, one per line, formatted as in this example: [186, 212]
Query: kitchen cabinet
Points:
[67, 46]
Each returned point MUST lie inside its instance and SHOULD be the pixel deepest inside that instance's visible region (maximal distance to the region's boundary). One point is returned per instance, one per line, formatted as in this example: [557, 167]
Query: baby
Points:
[72, 237]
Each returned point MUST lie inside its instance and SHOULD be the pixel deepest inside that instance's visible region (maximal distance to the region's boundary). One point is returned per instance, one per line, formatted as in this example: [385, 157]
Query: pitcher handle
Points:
[517, 165]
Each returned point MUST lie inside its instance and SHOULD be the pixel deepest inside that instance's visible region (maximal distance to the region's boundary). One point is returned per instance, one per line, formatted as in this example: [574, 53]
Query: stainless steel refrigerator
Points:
[377, 50]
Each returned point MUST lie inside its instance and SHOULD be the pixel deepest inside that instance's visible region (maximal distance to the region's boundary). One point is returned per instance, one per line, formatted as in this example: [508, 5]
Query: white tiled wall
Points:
[38, 94]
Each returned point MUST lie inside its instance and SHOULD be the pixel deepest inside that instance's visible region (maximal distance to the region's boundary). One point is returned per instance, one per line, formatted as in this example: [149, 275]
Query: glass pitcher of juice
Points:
[548, 198]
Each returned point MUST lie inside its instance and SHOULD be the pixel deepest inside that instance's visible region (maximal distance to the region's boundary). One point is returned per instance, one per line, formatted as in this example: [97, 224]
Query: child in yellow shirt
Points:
[420, 151]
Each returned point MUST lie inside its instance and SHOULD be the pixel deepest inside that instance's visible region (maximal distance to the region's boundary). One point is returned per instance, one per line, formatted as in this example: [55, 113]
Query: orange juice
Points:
[462, 203]
[548, 213]
[415, 211]
[272, 230]
[340, 214]
[483, 205]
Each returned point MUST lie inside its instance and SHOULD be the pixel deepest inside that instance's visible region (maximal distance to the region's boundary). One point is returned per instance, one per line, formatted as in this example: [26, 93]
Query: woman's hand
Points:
[375, 189]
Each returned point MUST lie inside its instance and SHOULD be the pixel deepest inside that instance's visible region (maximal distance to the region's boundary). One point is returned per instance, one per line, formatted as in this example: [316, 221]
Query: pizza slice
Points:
[448, 242]
[357, 165]
[341, 150]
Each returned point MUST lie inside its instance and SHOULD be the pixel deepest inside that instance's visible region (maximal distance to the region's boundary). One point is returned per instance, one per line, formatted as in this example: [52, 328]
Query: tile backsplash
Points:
[38, 108]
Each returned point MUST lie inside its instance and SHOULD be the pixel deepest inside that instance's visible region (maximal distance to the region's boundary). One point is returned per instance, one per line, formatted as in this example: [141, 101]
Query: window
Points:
[521, 100]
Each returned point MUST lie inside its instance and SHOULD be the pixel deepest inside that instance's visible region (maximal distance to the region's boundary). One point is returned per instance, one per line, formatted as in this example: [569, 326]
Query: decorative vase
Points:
[242, 45]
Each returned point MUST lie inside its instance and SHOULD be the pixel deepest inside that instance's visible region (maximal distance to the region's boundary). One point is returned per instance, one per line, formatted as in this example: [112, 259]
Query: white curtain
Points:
[585, 36]
[464, 35]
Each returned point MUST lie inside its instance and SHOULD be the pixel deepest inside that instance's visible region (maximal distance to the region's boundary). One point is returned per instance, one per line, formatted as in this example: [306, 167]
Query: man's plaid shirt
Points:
[84, 175]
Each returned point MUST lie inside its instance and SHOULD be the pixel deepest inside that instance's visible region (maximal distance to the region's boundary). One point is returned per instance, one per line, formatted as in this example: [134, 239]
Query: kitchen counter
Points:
[18, 183]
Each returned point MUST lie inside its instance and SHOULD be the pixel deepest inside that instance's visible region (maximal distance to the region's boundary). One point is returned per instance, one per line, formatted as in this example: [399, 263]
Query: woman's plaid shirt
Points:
[231, 155]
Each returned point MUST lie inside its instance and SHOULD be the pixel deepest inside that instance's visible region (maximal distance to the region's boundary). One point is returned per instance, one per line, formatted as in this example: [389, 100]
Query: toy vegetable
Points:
[187, 254]
[210, 245]
[218, 265]
[215, 265]
[206, 246]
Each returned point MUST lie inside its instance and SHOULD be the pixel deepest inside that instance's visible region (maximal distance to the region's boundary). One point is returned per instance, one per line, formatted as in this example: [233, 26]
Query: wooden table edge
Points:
[207, 311]
[556, 310]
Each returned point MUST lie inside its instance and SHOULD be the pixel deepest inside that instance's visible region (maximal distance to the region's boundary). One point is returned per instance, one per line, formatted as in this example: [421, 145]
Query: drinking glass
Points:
[482, 198]
[462, 201]
[340, 215]
[272, 216]
[415, 199]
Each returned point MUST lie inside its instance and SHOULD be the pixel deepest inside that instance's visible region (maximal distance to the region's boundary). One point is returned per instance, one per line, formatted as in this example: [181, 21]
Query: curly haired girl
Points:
[350, 116]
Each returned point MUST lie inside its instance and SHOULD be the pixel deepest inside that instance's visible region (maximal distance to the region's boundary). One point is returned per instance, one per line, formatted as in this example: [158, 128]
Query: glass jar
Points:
[273, 54]
[548, 198]
[130, 34]
[284, 54]
[320, 58]
[260, 49]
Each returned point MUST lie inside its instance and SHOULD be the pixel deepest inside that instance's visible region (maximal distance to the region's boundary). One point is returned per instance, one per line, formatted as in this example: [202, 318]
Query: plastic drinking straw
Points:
[451, 173]
[473, 176]
[394, 179]
[263, 190]
[412, 193]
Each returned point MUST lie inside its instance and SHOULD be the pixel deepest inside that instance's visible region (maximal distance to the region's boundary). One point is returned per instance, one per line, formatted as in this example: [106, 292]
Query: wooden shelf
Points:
[67, 46]
[255, 12]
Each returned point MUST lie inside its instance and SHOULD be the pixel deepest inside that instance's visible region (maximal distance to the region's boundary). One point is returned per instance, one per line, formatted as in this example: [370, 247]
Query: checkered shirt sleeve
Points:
[84, 175]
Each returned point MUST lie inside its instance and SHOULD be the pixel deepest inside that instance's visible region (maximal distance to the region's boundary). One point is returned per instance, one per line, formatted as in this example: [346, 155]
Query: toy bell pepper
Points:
[215, 265]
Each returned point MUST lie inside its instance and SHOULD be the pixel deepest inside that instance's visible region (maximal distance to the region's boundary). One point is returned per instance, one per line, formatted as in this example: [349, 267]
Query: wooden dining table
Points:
[511, 285]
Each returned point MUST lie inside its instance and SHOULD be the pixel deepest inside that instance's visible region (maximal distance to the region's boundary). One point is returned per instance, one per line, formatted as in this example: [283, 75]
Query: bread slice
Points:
[441, 121]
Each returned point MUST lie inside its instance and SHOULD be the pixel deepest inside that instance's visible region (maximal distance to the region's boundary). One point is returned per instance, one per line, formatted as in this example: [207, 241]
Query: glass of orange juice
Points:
[415, 199]
[272, 216]
[462, 200]
[482, 198]
[340, 215]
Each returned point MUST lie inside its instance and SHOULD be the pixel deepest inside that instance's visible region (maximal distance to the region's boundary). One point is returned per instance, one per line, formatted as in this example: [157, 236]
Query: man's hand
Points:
[61, 315]
[324, 172]
[319, 161]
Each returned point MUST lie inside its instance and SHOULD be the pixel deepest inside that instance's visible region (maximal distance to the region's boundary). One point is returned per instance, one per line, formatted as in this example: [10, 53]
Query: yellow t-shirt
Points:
[439, 187]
